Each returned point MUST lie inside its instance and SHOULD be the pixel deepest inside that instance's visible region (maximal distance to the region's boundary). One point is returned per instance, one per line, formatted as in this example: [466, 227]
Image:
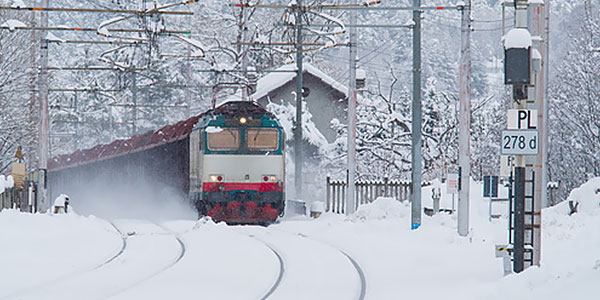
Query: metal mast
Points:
[464, 121]
[298, 127]
[352, 117]
[416, 120]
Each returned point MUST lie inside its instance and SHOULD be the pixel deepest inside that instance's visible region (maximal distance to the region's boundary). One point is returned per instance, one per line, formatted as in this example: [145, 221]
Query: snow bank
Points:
[570, 253]
[38, 248]
[587, 195]
[381, 208]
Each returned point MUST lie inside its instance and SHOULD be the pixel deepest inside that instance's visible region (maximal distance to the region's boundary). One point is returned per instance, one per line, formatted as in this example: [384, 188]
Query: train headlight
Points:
[243, 120]
[269, 178]
[215, 178]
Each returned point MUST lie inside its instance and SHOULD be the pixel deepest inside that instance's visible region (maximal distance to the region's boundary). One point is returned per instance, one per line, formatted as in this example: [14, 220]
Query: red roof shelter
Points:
[140, 142]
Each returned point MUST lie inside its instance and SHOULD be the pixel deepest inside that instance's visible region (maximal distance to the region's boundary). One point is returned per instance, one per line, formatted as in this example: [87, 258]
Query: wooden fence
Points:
[365, 192]
[23, 199]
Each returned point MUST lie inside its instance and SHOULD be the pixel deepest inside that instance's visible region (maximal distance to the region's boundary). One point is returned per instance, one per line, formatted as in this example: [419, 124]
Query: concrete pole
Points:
[352, 118]
[43, 121]
[31, 149]
[416, 121]
[464, 125]
[536, 28]
[298, 127]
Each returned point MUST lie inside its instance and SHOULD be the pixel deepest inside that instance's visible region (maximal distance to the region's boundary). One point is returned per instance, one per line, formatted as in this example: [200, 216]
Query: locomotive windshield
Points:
[262, 139]
[223, 139]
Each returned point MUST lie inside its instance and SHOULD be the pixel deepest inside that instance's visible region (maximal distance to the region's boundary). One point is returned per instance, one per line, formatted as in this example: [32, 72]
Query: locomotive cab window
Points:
[265, 139]
[224, 139]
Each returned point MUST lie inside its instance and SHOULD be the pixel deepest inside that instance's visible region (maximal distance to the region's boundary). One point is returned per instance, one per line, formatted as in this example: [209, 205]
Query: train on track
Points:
[229, 162]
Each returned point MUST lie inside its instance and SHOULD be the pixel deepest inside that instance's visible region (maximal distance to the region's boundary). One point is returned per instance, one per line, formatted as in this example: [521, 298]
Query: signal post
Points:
[524, 139]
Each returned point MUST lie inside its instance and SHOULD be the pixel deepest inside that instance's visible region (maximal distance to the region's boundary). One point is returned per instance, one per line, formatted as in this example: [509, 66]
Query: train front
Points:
[241, 165]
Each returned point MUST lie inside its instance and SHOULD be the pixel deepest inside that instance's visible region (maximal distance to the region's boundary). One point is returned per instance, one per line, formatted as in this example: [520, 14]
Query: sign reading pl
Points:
[519, 142]
[522, 119]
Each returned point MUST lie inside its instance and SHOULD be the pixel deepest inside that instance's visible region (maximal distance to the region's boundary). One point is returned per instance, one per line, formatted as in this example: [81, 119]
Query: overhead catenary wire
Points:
[97, 10]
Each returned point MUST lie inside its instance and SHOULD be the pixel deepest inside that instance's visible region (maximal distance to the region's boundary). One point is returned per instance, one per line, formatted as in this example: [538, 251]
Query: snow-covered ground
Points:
[372, 253]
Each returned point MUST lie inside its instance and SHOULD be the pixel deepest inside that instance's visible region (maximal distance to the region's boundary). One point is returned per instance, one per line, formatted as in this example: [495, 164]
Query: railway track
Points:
[123, 246]
[355, 264]
[361, 275]
[334, 266]
[166, 267]
[281, 269]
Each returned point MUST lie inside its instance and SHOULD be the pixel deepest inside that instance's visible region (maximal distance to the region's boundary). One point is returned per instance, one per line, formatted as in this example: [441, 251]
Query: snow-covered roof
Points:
[275, 80]
[517, 38]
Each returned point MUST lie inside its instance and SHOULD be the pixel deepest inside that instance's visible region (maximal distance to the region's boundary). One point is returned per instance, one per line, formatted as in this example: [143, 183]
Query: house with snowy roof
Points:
[325, 102]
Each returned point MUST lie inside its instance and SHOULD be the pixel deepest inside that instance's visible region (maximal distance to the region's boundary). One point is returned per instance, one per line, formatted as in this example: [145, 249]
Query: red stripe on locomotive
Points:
[242, 186]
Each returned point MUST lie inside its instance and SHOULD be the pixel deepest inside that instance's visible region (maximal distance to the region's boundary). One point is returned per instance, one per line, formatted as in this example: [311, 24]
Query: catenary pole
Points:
[352, 100]
[43, 116]
[464, 120]
[134, 99]
[298, 127]
[416, 121]
[537, 28]
[244, 50]
[546, 99]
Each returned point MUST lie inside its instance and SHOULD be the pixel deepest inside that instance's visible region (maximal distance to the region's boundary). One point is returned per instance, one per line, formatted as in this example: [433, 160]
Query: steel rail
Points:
[281, 268]
[177, 260]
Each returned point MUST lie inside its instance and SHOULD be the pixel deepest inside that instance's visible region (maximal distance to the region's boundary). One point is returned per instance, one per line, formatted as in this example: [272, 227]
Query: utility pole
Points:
[464, 150]
[43, 120]
[298, 127]
[416, 120]
[33, 82]
[351, 205]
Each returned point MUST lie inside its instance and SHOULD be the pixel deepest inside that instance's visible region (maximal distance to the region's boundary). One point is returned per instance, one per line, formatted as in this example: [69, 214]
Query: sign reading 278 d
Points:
[520, 142]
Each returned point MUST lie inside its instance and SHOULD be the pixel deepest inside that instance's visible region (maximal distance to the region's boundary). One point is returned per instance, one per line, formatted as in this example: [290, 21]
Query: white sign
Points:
[519, 142]
[522, 119]
[452, 183]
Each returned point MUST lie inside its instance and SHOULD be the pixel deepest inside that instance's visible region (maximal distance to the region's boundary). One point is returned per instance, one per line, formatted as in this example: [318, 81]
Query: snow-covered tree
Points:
[16, 96]
[575, 105]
